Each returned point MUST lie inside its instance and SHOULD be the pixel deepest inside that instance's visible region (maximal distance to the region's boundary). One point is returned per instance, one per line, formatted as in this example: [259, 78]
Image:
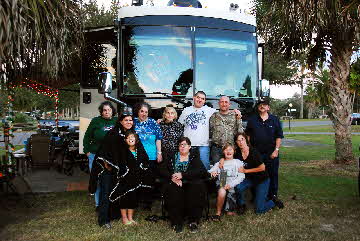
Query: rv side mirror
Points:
[105, 80]
[265, 88]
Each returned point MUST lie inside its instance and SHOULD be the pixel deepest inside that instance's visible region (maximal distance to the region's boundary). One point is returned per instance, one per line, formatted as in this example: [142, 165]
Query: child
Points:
[233, 178]
[137, 175]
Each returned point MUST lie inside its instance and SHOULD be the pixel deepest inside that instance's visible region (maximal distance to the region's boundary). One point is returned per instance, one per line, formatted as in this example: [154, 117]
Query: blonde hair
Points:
[169, 108]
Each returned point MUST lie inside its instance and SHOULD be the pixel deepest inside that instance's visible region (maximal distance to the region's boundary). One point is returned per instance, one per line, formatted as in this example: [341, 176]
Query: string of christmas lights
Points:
[44, 90]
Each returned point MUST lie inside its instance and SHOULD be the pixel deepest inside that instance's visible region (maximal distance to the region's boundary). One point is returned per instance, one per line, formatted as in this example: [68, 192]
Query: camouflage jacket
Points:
[224, 127]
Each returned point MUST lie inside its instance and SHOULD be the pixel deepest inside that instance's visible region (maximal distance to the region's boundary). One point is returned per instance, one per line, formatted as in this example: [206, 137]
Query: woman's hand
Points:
[159, 158]
[177, 176]
[88, 154]
[221, 163]
[242, 170]
[107, 166]
[227, 187]
[176, 181]
[214, 174]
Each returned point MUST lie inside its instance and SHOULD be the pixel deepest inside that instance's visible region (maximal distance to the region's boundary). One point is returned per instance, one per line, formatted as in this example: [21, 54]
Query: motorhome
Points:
[162, 52]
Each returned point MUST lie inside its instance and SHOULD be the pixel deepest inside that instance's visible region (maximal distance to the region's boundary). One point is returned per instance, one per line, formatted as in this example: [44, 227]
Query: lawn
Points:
[321, 203]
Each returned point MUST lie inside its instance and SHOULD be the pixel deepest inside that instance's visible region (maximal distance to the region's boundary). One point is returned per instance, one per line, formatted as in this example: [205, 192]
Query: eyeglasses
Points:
[184, 145]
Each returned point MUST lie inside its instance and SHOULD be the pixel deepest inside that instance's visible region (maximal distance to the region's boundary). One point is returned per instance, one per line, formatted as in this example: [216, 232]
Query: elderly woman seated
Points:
[184, 189]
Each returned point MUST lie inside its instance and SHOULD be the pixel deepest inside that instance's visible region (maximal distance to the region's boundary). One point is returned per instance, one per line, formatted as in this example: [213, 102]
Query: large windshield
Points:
[158, 59]
[226, 62]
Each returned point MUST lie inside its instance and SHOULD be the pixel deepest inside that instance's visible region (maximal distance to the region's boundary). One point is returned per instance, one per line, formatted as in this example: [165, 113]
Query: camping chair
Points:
[41, 154]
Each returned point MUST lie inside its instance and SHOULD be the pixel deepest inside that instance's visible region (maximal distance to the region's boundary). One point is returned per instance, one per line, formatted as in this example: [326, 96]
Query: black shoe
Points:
[278, 202]
[107, 226]
[242, 209]
[193, 227]
[178, 228]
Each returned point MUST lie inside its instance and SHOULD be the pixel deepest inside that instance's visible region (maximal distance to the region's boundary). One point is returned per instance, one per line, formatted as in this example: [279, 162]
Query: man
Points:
[223, 127]
[265, 133]
[196, 125]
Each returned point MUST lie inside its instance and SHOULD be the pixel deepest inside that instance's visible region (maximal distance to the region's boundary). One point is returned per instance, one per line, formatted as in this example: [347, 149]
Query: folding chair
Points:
[41, 154]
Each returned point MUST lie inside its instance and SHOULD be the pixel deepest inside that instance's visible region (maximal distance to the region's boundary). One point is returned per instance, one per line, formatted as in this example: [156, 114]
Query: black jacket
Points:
[129, 173]
[194, 173]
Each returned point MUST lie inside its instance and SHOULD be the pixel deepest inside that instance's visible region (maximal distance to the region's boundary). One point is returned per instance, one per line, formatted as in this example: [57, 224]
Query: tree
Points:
[324, 25]
[38, 36]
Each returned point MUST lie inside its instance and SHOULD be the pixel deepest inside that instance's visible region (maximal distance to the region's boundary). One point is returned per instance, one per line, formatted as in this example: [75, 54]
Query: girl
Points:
[136, 174]
[227, 184]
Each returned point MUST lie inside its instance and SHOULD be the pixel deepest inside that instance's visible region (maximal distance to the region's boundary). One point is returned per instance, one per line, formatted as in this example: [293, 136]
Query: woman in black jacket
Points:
[106, 168]
[184, 189]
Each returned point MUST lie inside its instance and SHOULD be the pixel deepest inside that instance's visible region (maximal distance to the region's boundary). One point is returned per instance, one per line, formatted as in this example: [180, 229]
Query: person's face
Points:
[131, 140]
[127, 122]
[224, 103]
[106, 112]
[170, 115]
[229, 152]
[143, 113]
[184, 148]
[199, 100]
[241, 141]
[263, 108]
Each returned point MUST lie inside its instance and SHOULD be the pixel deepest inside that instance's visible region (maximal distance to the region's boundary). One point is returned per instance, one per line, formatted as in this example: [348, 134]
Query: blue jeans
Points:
[262, 204]
[97, 193]
[204, 156]
[272, 167]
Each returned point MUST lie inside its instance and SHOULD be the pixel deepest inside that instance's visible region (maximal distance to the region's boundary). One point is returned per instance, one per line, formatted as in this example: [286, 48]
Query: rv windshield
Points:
[226, 62]
[160, 59]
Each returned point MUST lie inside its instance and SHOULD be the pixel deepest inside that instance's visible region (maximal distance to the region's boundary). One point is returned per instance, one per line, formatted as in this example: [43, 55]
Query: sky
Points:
[277, 92]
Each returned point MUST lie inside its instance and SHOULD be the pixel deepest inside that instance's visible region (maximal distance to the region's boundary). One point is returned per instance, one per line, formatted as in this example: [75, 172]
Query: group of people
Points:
[127, 153]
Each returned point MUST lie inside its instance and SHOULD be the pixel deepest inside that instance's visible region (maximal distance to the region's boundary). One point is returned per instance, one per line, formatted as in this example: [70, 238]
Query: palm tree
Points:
[322, 25]
[40, 35]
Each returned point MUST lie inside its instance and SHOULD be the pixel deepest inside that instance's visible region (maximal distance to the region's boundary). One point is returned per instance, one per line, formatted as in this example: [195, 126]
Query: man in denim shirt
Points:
[265, 133]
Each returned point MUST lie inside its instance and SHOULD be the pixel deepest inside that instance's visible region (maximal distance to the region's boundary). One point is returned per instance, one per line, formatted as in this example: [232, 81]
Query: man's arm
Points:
[277, 148]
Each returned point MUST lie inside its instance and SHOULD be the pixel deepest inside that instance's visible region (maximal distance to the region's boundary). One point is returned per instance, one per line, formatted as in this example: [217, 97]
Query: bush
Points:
[22, 118]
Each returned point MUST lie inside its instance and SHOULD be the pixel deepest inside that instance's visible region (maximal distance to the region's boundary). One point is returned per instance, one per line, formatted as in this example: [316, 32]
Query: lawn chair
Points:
[41, 153]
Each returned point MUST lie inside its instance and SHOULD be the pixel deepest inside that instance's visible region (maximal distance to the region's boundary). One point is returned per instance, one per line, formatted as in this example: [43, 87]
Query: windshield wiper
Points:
[177, 99]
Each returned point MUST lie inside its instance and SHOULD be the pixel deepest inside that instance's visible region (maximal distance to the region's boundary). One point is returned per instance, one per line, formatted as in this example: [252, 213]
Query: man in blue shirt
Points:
[265, 133]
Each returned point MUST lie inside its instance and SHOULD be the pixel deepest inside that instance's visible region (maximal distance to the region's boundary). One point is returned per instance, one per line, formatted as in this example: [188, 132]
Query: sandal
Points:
[216, 218]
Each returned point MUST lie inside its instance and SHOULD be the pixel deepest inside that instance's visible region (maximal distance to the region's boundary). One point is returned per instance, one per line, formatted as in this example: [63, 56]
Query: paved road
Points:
[19, 138]
[306, 123]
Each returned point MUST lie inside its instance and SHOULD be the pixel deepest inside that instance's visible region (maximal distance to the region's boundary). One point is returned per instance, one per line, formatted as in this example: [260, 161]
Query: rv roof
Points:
[137, 11]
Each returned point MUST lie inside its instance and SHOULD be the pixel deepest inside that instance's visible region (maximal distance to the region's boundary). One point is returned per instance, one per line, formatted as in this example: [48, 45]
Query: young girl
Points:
[233, 178]
[136, 174]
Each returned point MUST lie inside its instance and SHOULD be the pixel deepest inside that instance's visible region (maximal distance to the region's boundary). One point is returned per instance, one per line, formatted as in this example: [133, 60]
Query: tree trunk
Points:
[302, 99]
[341, 103]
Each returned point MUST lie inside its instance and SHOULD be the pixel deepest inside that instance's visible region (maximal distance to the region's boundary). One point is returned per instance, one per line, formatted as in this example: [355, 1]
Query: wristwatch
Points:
[277, 149]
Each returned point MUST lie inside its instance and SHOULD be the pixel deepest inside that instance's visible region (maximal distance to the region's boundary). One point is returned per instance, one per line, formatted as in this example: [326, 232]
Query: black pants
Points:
[105, 183]
[186, 201]
[272, 167]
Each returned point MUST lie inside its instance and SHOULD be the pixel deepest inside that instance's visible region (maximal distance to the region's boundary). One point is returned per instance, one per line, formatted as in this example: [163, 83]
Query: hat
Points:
[263, 102]
[126, 111]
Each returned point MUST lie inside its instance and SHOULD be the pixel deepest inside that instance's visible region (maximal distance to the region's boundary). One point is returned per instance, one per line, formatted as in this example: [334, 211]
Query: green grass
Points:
[321, 203]
[17, 147]
[301, 120]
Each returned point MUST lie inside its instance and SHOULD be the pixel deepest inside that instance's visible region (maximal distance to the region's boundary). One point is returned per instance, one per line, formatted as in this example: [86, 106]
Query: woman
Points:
[149, 133]
[184, 190]
[107, 166]
[150, 136]
[95, 133]
[255, 176]
[171, 130]
[134, 174]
